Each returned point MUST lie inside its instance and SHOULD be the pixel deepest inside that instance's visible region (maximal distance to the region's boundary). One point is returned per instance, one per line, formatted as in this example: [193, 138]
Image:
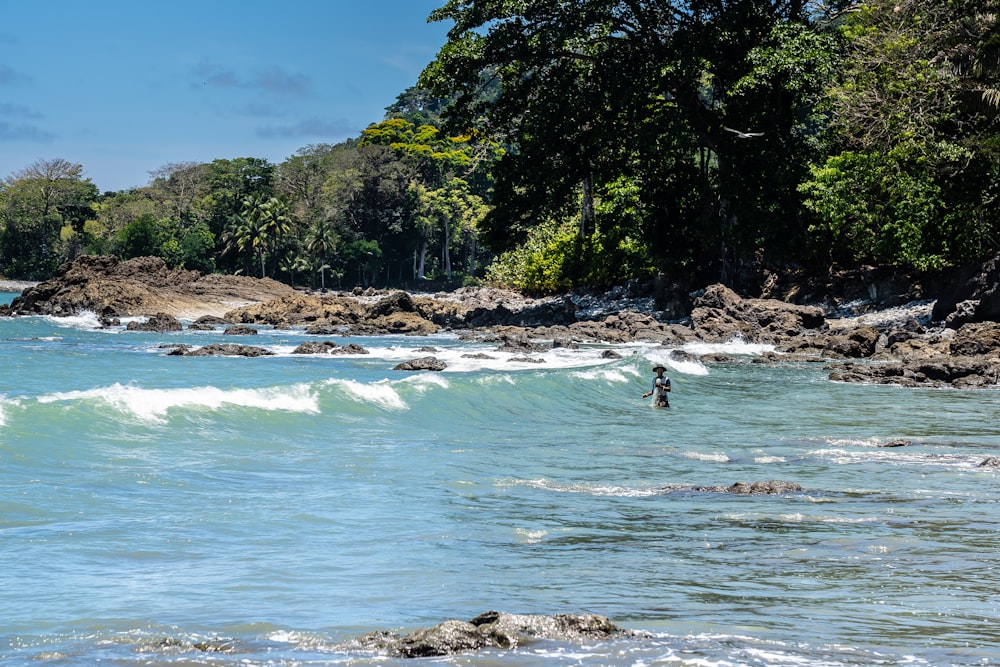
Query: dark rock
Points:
[229, 350]
[716, 358]
[160, 323]
[859, 343]
[988, 309]
[980, 338]
[965, 312]
[492, 630]
[519, 343]
[720, 315]
[477, 355]
[315, 347]
[990, 462]
[240, 330]
[444, 639]
[681, 356]
[139, 286]
[610, 354]
[525, 360]
[211, 320]
[772, 487]
[397, 302]
[399, 322]
[422, 364]
[764, 488]
[200, 327]
[322, 330]
[350, 348]
[959, 372]
[972, 283]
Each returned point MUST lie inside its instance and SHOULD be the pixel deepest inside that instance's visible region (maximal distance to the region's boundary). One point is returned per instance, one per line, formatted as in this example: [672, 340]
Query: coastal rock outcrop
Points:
[972, 296]
[110, 288]
[720, 315]
[958, 372]
[904, 344]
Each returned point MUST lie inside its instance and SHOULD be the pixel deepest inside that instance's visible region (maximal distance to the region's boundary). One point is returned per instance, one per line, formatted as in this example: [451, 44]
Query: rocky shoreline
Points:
[952, 340]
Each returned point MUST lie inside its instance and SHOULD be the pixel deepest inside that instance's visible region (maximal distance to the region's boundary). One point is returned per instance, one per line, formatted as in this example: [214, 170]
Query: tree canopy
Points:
[553, 144]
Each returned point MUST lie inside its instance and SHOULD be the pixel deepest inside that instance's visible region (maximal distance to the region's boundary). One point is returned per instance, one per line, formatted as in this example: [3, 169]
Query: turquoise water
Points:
[288, 504]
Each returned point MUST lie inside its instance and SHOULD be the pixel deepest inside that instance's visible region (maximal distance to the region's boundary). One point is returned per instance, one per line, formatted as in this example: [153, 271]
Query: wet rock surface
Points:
[492, 629]
[952, 341]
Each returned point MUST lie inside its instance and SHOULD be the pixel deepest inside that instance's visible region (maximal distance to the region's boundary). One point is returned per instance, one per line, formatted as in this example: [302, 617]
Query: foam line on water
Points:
[154, 404]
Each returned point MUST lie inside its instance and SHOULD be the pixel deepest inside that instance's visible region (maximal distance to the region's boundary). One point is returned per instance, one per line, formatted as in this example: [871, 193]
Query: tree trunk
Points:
[420, 259]
[447, 251]
[587, 207]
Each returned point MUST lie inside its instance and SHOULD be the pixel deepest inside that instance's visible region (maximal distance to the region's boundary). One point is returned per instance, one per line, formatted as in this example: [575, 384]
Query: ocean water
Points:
[279, 507]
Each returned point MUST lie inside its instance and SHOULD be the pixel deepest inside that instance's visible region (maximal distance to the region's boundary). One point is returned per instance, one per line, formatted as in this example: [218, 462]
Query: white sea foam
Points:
[660, 355]
[86, 319]
[380, 393]
[718, 457]
[583, 488]
[153, 404]
[526, 536]
[736, 345]
[474, 358]
[893, 455]
[426, 381]
[605, 375]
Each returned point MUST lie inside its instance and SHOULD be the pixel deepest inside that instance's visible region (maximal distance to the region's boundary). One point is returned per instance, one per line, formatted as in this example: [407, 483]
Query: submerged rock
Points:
[315, 347]
[492, 629]
[229, 350]
[159, 323]
[770, 487]
[976, 372]
[421, 364]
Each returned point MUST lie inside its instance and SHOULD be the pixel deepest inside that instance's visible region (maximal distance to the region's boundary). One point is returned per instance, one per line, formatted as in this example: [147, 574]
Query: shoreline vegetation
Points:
[908, 342]
[748, 138]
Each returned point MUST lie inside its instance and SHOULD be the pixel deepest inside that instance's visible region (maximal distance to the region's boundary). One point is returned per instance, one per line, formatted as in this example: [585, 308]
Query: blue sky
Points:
[126, 87]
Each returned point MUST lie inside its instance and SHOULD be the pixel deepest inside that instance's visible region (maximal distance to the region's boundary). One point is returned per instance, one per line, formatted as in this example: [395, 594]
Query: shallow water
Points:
[281, 506]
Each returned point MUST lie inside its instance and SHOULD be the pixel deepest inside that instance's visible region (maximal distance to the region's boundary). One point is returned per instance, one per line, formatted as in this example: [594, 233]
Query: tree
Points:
[453, 212]
[911, 178]
[593, 94]
[321, 243]
[417, 106]
[36, 203]
[179, 185]
[262, 223]
[230, 182]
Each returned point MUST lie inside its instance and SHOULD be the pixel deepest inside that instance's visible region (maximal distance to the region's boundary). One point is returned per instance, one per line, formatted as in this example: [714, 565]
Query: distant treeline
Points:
[554, 144]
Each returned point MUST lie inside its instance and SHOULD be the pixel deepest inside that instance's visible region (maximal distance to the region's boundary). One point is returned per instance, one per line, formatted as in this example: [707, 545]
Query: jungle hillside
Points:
[552, 145]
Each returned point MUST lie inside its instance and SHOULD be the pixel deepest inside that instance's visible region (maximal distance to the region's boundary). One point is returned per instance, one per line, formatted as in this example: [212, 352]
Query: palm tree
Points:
[322, 240]
[263, 222]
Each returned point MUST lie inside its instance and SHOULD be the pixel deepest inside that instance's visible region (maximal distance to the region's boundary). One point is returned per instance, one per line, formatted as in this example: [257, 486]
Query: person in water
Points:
[661, 387]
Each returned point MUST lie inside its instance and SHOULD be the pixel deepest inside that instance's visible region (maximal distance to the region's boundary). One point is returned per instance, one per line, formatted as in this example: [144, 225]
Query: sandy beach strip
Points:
[15, 285]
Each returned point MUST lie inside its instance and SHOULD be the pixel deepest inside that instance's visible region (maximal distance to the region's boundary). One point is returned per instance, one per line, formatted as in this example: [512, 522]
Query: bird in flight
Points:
[743, 135]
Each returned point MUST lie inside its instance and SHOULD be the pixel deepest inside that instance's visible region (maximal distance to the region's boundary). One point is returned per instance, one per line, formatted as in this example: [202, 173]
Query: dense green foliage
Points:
[554, 144]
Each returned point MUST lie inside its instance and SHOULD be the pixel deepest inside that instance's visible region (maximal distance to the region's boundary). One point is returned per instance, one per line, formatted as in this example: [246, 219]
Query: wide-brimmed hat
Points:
[658, 367]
